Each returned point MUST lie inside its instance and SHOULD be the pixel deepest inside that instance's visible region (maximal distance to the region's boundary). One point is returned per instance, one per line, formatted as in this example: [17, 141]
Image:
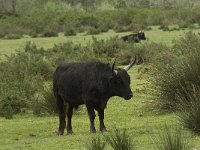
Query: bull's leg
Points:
[101, 120]
[69, 117]
[91, 114]
[62, 115]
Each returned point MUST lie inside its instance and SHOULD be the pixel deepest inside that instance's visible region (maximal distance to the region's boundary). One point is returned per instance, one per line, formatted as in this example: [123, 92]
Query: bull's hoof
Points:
[70, 132]
[103, 130]
[92, 130]
[60, 133]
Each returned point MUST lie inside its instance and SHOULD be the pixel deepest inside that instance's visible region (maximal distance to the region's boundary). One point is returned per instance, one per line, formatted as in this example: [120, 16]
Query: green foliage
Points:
[49, 34]
[6, 108]
[164, 27]
[121, 4]
[93, 31]
[96, 143]
[37, 16]
[191, 110]
[120, 140]
[12, 36]
[45, 103]
[22, 77]
[172, 139]
[176, 69]
[69, 32]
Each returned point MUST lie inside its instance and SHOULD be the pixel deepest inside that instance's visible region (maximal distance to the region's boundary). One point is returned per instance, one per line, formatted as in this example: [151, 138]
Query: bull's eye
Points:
[116, 81]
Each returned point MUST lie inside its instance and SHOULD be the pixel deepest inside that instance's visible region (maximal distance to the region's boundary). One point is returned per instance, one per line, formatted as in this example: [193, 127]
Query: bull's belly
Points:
[75, 100]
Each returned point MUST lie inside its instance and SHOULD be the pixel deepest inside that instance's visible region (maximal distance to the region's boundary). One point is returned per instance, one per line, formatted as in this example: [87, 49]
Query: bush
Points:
[7, 108]
[45, 103]
[176, 70]
[28, 71]
[69, 32]
[164, 28]
[171, 139]
[49, 34]
[190, 116]
[93, 31]
[119, 28]
[12, 36]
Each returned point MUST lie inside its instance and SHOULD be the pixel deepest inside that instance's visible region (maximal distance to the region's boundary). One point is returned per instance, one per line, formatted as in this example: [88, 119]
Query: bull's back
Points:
[74, 80]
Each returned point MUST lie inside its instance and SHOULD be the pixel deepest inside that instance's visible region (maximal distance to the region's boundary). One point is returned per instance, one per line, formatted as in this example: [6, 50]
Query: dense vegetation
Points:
[47, 18]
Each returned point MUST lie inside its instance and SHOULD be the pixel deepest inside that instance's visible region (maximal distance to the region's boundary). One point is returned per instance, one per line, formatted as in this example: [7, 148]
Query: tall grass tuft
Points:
[190, 118]
[121, 140]
[96, 143]
[171, 139]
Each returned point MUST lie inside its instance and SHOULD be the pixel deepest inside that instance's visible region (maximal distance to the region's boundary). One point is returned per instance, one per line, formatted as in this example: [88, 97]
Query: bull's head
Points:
[142, 35]
[120, 82]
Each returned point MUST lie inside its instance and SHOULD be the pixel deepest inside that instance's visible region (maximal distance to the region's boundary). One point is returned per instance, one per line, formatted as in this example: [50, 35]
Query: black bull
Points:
[134, 37]
[92, 84]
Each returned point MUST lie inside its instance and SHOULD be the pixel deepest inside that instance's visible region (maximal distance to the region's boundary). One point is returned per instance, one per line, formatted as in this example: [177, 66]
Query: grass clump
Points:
[96, 143]
[190, 116]
[121, 140]
[172, 139]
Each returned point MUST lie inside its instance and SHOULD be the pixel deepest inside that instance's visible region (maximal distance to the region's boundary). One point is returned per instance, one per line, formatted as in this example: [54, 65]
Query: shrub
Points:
[119, 28]
[120, 140]
[28, 71]
[49, 34]
[190, 116]
[7, 108]
[164, 28]
[12, 36]
[172, 139]
[69, 32]
[93, 31]
[177, 69]
[2, 35]
[33, 34]
[45, 103]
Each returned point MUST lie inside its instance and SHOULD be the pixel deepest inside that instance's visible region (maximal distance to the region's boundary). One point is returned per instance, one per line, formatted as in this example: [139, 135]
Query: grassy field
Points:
[154, 35]
[132, 115]
[142, 123]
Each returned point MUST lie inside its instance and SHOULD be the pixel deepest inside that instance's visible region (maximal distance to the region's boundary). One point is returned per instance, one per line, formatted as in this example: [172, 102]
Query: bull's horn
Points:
[113, 65]
[131, 64]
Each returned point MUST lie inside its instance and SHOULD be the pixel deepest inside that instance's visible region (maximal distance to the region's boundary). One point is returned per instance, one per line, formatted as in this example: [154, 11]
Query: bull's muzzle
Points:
[129, 96]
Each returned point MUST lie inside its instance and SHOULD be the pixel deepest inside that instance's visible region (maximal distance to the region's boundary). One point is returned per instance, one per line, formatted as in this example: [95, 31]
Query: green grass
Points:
[132, 115]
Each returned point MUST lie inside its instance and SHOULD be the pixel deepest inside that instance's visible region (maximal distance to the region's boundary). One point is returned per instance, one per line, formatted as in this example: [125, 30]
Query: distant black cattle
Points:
[89, 83]
[134, 37]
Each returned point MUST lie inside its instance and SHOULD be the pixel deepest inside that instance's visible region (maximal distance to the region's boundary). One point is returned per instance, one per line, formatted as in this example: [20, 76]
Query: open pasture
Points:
[133, 115]
[26, 131]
